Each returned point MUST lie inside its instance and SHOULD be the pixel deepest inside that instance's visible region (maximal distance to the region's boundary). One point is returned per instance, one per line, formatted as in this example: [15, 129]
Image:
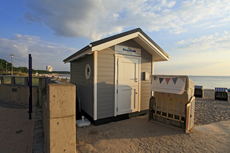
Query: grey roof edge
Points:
[155, 44]
[75, 54]
[98, 42]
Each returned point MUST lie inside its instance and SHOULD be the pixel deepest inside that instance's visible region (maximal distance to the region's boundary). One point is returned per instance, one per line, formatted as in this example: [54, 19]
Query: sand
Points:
[210, 134]
[208, 110]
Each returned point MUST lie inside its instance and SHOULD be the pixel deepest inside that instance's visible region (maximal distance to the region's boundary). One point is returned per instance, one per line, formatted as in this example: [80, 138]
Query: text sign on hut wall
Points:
[127, 50]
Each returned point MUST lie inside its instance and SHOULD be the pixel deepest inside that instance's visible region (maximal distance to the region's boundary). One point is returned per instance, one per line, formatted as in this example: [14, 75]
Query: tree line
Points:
[7, 67]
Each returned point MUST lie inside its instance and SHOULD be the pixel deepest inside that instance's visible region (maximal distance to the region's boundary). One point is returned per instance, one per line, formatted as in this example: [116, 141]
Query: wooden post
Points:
[30, 86]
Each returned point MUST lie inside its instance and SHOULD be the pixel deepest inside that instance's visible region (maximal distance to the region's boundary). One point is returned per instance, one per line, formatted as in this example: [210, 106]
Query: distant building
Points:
[49, 68]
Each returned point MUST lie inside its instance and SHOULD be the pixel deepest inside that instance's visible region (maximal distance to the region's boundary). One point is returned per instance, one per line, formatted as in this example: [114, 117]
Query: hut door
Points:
[127, 86]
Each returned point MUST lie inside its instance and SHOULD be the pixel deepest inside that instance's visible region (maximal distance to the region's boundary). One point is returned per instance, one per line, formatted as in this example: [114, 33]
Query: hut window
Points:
[87, 71]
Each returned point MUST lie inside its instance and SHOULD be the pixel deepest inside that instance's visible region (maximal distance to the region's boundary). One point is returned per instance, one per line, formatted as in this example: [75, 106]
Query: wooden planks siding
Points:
[106, 76]
[146, 60]
[84, 86]
[105, 85]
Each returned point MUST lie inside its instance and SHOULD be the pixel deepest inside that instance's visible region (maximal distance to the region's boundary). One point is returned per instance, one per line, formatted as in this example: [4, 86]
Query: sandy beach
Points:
[210, 134]
[208, 110]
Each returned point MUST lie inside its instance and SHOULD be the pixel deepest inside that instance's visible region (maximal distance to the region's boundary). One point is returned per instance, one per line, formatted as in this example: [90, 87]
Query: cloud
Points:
[225, 19]
[205, 55]
[96, 19]
[42, 52]
[216, 43]
[199, 63]
[170, 4]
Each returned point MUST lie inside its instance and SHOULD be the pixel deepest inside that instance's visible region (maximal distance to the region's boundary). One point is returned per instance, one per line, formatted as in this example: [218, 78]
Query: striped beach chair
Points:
[221, 94]
[199, 91]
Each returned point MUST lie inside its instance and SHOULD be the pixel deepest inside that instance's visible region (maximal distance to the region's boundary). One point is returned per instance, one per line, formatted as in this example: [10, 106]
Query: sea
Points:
[210, 82]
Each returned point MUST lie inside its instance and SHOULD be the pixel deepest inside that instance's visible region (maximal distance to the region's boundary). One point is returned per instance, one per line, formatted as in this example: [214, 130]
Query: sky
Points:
[195, 33]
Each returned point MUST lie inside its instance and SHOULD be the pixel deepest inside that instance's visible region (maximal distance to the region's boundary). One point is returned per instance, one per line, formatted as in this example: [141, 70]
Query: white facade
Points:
[49, 68]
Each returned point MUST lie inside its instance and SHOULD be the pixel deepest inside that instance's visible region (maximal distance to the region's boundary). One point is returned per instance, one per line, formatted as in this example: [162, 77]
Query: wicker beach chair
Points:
[173, 101]
[221, 94]
[199, 91]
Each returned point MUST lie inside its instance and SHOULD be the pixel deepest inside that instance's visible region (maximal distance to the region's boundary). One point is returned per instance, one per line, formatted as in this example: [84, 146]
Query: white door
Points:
[127, 93]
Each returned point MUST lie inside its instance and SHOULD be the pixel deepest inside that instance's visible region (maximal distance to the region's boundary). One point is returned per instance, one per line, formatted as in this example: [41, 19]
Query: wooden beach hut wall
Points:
[112, 75]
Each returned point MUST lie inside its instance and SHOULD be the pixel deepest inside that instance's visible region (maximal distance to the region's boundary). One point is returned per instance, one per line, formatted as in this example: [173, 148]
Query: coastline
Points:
[210, 82]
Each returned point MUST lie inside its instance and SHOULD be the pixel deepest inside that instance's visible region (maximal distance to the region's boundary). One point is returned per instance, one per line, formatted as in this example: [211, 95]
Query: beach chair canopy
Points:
[173, 84]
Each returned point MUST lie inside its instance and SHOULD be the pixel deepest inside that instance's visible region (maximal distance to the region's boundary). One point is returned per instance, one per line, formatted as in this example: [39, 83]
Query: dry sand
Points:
[211, 133]
[208, 110]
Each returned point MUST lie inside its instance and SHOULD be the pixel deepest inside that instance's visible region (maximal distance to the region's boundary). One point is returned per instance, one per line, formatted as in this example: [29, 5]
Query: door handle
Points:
[135, 79]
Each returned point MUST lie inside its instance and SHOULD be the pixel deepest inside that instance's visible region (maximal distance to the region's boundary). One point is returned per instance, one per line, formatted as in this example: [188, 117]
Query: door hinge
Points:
[117, 109]
[117, 90]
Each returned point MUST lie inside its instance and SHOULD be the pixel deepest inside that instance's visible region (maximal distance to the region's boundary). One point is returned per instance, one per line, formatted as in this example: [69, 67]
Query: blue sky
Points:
[195, 33]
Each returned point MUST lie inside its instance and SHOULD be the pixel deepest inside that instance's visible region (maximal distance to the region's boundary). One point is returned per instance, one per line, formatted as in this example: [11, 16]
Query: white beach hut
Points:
[112, 75]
